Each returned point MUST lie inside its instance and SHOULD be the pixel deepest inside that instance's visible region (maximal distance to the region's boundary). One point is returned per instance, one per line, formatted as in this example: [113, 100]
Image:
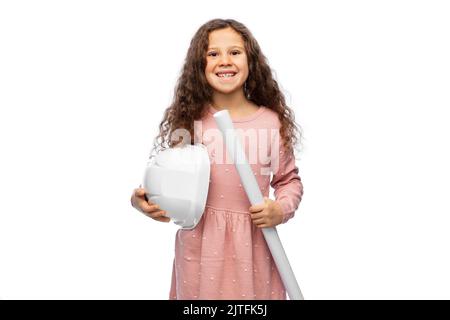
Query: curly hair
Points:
[193, 93]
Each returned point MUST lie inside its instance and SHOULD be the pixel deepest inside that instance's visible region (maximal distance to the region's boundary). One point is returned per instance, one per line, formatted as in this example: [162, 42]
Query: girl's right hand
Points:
[151, 209]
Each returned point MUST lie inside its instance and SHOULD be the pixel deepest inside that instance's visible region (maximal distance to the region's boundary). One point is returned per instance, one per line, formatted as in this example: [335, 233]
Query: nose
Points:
[225, 60]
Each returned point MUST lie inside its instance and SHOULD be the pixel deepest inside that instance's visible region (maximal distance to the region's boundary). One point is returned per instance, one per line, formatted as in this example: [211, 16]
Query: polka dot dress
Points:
[225, 256]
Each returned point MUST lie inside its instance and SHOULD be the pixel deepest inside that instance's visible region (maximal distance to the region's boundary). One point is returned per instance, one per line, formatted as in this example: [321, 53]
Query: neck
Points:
[230, 101]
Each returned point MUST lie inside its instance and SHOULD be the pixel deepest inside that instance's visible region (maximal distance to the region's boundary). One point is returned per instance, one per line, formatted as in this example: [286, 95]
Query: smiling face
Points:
[226, 61]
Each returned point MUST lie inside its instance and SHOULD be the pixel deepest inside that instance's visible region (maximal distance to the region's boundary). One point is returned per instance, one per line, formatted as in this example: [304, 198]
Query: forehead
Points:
[225, 38]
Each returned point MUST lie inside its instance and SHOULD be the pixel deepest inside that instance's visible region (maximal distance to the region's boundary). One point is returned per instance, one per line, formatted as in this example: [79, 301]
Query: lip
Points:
[226, 71]
[226, 79]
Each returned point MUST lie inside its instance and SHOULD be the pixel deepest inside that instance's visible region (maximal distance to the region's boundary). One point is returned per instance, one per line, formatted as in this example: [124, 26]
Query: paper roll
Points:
[255, 196]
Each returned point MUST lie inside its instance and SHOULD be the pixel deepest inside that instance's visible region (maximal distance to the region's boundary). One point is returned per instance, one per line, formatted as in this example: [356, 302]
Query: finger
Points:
[148, 208]
[162, 219]
[139, 192]
[257, 208]
[158, 214]
[137, 195]
[259, 221]
[263, 225]
[258, 215]
[142, 193]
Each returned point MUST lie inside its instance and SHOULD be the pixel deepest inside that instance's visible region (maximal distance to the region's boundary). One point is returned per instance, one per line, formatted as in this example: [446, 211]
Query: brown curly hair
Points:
[193, 93]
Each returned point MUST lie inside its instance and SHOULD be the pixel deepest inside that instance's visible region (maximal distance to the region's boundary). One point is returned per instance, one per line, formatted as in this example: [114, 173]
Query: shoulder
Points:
[271, 118]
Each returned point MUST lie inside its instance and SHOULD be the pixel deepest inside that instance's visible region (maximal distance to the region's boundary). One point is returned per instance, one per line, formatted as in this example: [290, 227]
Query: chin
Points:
[227, 91]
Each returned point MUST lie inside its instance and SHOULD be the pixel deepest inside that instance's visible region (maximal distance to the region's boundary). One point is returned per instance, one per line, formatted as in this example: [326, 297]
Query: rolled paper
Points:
[237, 154]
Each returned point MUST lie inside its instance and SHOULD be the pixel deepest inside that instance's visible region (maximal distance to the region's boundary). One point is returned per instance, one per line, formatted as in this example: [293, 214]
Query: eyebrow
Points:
[228, 47]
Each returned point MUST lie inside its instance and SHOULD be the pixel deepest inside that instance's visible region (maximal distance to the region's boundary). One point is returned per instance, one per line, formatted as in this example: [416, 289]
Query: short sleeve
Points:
[287, 184]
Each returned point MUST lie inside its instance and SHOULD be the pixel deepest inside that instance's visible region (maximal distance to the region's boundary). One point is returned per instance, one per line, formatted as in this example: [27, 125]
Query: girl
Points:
[225, 256]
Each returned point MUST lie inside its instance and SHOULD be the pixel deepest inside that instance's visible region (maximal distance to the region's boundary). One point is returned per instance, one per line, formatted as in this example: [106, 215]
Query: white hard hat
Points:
[178, 181]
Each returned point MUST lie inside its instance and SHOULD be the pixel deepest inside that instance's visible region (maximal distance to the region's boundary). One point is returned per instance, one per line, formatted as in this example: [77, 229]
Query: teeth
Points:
[226, 75]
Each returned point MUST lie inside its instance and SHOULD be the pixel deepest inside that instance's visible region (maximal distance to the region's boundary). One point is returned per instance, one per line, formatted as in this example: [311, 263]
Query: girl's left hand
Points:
[268, 214]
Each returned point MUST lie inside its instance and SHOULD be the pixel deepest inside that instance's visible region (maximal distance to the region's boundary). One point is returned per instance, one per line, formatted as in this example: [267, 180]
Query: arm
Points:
[288, 188]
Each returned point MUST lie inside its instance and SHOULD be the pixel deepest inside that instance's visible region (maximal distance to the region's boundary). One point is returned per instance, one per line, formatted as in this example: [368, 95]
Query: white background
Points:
[83, 86]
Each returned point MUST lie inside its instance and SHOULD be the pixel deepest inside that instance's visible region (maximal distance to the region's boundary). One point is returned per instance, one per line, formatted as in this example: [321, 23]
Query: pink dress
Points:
[225, 256]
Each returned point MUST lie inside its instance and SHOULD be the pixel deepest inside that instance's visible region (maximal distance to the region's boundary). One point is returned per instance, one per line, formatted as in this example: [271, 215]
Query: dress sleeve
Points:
[287, 184]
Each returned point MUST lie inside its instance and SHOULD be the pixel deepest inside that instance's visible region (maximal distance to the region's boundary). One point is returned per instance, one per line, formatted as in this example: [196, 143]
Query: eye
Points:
[212, 54]
[235, 52]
